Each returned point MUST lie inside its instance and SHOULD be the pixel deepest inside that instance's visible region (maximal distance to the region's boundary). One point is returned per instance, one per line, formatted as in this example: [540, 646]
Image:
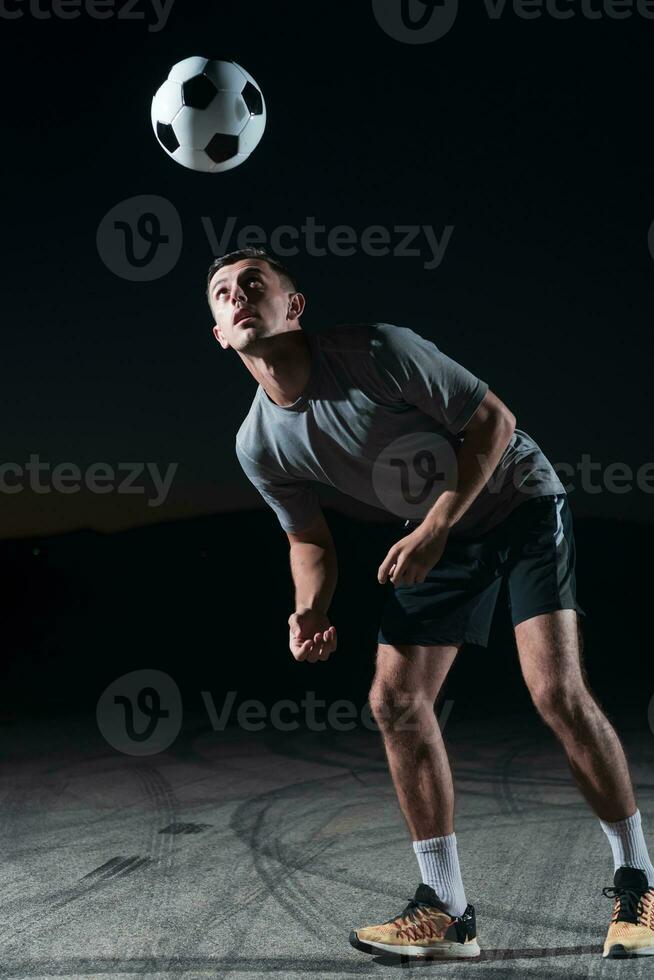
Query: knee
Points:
[397, 708]
[560, 705]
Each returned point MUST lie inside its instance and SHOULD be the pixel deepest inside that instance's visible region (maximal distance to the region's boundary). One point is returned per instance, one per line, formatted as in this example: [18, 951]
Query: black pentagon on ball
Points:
[166, 136]
[253, 100]
[198, 92]
[222, 148]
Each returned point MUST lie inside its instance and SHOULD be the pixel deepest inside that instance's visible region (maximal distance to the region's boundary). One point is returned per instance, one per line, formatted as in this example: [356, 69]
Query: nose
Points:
[237, 294]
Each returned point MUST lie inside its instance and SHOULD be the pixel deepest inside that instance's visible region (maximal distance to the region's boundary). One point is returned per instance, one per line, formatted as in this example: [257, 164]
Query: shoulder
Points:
[391, 336]
[393, 345]
[366, 338]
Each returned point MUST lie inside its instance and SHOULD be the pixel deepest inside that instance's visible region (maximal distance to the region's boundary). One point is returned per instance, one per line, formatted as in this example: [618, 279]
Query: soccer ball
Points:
[208, 115]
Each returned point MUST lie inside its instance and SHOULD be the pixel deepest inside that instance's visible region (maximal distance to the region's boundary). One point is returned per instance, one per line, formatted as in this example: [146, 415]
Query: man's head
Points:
[252, 297]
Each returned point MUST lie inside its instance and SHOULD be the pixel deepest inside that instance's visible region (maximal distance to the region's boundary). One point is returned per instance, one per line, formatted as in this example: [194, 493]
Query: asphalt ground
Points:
[254, 854]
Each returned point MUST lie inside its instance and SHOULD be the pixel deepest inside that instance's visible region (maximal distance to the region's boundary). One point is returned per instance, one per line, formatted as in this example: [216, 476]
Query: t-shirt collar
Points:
[309, 389]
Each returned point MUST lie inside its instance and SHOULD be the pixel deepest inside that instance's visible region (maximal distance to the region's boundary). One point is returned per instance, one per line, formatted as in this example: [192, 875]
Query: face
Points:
[250, 303]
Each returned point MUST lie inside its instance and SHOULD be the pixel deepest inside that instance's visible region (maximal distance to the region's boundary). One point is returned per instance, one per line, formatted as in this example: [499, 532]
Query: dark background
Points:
[531, 137]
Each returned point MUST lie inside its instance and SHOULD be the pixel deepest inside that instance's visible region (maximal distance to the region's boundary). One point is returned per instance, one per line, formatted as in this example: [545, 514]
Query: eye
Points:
[221, 291]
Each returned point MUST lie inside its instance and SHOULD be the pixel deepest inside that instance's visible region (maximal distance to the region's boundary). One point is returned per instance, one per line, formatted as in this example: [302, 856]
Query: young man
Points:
[327, 408]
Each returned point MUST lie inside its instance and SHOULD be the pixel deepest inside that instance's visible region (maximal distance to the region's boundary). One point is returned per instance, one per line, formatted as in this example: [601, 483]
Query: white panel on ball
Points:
[167, 102]
[195, 127]
[251, 134]
[183, 70]
[226, 75]
[193, 159]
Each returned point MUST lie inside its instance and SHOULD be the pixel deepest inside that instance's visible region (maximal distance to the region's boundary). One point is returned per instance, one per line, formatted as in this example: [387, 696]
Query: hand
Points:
[410, 558]
[311, 636]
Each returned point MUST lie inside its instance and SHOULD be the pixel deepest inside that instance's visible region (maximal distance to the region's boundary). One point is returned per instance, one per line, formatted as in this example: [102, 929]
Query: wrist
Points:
[435, 525]
[316, 607]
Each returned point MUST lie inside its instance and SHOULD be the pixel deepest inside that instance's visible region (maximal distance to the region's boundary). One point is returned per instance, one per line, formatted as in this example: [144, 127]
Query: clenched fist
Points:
[312, 637]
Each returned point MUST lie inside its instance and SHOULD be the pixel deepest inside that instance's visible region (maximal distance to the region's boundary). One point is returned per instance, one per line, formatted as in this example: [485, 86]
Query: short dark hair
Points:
[287, 277]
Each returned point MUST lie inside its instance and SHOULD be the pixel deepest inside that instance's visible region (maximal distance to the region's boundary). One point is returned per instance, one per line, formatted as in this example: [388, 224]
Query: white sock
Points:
[628, 845]
[439, 867]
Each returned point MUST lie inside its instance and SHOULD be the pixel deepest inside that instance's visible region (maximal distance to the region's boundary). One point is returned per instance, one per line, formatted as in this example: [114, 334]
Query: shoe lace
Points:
[411, 924]
[410, 912]
[630, 902]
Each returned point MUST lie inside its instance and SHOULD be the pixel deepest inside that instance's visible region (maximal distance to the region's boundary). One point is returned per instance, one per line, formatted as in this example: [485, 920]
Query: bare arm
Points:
[484, 440]
[314, 569]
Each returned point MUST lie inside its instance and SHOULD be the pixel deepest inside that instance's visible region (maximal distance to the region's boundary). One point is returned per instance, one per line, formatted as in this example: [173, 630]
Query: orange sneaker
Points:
[424, 930]
[631, 932]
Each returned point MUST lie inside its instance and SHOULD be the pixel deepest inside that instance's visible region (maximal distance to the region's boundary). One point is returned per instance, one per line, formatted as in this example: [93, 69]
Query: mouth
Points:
[243, 315]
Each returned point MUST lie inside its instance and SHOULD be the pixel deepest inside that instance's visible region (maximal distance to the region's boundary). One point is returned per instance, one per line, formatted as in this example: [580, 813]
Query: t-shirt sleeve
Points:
[295, 502]
[424, 376]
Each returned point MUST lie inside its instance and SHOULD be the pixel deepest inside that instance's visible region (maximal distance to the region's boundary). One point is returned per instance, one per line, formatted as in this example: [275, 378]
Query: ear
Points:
[218, 334]
[296, 306]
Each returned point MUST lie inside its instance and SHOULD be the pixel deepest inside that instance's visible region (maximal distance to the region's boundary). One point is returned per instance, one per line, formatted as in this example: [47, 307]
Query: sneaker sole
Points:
[444, 951]
[619, 952]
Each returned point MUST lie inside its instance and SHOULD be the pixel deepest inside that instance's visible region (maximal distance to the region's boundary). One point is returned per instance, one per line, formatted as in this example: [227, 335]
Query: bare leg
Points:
[551, 662]
[402, 696]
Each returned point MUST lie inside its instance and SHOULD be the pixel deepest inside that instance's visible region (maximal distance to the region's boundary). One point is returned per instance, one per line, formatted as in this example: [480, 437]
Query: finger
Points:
[314, 655]
[303, 651]
[386, 567]
[317, 644]
[331, 642]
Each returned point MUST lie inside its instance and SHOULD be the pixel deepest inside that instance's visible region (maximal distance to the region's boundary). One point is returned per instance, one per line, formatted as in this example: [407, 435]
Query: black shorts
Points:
[533, 549]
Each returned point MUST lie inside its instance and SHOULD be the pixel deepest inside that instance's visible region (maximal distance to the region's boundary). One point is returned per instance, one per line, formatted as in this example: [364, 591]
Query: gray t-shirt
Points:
[379, 420]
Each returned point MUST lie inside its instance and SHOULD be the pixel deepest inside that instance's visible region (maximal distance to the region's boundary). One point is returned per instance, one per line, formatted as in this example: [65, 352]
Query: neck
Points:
[282, 366]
